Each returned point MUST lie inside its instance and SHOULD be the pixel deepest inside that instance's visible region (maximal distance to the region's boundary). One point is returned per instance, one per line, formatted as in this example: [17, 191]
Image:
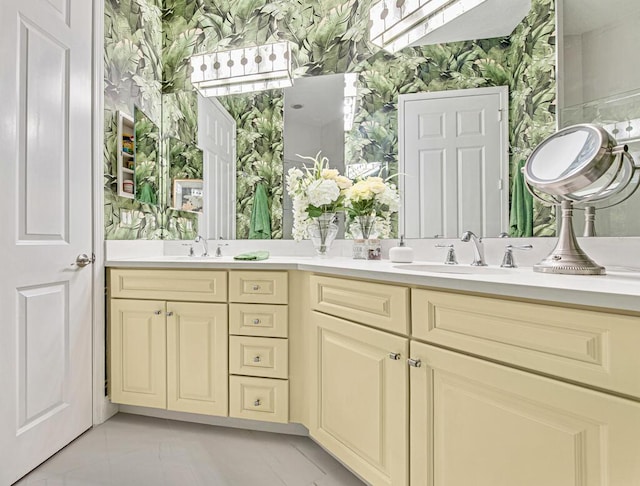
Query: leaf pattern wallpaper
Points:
[133, 78]
[147, 52]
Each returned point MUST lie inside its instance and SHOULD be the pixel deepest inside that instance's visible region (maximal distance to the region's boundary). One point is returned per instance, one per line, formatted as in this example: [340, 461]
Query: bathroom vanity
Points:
[407, 377]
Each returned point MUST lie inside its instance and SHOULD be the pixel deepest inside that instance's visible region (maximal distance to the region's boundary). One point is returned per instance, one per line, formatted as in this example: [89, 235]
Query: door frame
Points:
[102, 407]
[503, 92]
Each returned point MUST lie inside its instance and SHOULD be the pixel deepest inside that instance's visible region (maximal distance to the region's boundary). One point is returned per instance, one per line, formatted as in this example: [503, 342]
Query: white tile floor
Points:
[144, 451]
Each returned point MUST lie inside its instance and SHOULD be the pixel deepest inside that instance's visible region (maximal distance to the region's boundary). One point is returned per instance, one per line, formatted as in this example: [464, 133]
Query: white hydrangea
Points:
[323, 192]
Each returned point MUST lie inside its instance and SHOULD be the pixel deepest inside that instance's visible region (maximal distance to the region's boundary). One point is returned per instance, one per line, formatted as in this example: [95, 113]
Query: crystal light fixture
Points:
[242, 70]
[396, 24]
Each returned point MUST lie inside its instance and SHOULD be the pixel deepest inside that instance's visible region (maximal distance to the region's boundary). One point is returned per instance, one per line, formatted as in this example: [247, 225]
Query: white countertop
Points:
[617, 290]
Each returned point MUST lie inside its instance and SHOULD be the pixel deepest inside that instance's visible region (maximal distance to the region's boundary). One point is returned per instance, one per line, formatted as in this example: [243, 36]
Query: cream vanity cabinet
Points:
[359, 376]
[259, 346]
[166, 351]
[477, 422]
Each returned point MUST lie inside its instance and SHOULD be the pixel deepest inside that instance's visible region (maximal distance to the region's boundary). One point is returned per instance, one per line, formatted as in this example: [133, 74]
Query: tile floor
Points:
[144, 451]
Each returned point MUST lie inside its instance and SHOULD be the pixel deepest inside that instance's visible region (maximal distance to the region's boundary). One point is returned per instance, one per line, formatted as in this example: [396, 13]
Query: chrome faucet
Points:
[478, 248]
[205, 247]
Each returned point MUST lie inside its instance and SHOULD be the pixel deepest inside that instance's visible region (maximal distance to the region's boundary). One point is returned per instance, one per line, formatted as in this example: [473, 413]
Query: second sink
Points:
[457, 269]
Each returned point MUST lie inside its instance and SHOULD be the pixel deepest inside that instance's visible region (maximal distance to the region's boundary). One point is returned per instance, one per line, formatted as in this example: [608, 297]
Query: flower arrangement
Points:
[314, 192]
[370, 202]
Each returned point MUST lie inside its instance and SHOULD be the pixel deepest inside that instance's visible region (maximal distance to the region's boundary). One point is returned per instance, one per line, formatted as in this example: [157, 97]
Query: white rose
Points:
[343, 182]
[323, 192]
[331, 174]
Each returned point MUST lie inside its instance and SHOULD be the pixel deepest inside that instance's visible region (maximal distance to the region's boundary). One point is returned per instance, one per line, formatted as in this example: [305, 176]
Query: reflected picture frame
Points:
[188, 195]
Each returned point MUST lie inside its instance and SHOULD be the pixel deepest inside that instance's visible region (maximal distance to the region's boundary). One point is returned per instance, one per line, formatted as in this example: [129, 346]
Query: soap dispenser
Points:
[401, 253]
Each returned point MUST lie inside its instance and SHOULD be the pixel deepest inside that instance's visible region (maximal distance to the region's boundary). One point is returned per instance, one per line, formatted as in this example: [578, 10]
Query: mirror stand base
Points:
[567, 257]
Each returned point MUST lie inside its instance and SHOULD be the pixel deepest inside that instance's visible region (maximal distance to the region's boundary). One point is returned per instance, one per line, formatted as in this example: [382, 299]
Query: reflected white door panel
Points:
[45, 193]
[217, 140]
[453, 148]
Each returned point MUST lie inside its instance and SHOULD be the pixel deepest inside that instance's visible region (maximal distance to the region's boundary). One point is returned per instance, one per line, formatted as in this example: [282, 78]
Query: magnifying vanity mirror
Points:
[581, 164]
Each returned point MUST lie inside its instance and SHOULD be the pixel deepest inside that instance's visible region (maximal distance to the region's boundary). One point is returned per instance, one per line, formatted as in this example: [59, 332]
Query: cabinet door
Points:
[197, 358]
[482, 424]
[138, 353]
[359, 398]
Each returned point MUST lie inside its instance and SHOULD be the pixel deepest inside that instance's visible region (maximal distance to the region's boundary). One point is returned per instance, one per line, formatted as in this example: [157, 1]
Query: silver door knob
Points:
[256, 321]
[257, 359]
[256, 287]
[394, 356]
[83, 260]
[257, 403]
[169, 314]
[416, 363]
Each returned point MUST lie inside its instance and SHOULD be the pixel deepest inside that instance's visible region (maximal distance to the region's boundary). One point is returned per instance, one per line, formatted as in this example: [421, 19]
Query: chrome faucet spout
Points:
[478, 248]
[205, 247]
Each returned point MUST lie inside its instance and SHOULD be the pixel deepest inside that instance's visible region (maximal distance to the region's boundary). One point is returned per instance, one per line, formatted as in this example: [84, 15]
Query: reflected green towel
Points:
[146, 194]
[521, 216]
[260, 227]
[252, 256]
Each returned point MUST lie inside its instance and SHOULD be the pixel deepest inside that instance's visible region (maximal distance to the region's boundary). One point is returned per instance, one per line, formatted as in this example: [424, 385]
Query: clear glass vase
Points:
[365, 242]
[323, 231]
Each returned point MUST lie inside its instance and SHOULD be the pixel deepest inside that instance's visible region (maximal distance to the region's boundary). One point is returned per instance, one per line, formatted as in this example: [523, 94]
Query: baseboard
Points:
[235, 423]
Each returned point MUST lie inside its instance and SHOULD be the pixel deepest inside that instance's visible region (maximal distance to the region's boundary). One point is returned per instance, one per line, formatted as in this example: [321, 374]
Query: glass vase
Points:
[366, 246]
[323, 231]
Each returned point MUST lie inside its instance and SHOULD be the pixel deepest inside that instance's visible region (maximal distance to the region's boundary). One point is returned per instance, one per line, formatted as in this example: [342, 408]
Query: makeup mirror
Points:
[579, 165]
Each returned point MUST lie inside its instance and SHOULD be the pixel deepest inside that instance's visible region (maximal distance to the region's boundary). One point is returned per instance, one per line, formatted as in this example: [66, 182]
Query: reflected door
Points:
[45, 194]
[453, 149]
[217, 139]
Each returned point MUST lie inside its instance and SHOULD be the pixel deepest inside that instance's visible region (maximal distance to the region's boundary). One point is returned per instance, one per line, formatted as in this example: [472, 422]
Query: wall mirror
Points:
[525, 62]
[147, 163]
[599, 82]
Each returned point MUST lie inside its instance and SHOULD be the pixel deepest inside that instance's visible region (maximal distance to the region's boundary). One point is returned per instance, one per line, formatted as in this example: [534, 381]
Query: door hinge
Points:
[500, 115]
[500, 185]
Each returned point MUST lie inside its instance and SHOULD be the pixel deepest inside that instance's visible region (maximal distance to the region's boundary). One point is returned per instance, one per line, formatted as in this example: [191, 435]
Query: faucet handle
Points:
[508, 261]
[219, 248]
[451, 254]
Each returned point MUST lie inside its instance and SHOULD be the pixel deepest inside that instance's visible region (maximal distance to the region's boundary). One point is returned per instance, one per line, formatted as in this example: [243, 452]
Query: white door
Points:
[453, 152]
[217, 139]
[45, 195]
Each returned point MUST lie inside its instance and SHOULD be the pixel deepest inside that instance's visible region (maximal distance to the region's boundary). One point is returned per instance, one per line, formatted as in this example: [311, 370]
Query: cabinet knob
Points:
[158, 312]
[257, 359]
[394, 356]
[416, 363]
[257, 403]
[169, 314]
[256, 321]
[256, 287]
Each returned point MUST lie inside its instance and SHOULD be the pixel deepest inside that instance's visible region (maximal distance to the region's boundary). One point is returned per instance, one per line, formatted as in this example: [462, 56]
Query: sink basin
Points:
[458, 269]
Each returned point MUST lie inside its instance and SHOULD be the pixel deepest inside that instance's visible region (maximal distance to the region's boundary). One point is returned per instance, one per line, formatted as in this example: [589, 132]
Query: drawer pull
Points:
[416, 363]
[394, 356]
[256, 287]
[169, 314]
[257, 359]
[158, 312]
[256, 321]
[257, 403]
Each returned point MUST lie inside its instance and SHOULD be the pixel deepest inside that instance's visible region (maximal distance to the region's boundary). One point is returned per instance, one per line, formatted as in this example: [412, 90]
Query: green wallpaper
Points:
[133, 77]
[328, 37]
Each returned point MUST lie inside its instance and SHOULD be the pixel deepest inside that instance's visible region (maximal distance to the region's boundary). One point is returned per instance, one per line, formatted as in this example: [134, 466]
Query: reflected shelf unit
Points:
[126, 156]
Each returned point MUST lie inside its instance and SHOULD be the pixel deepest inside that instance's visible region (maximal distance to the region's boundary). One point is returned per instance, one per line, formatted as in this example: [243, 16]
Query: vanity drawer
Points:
[259, 399]
[378, 305]
[258, 287]
[591, 347]
[258, 320]
[256, 356]
[183, 285]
